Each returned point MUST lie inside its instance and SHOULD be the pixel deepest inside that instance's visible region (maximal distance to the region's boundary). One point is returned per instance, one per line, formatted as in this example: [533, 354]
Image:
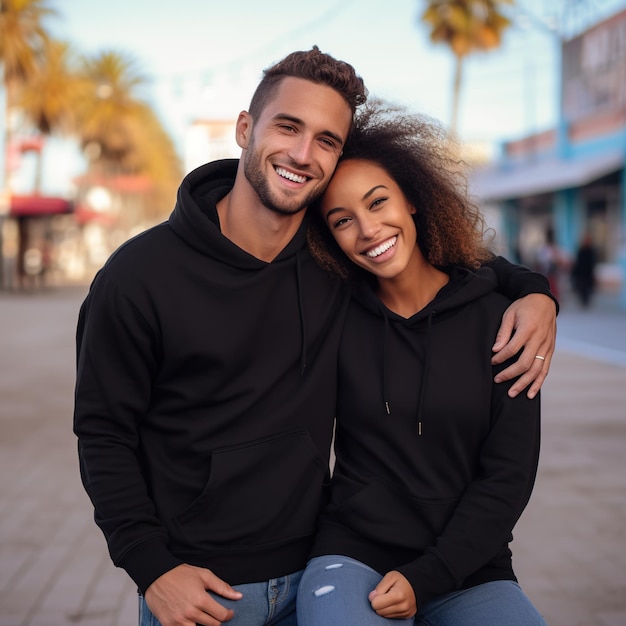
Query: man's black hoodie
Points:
[205, 396]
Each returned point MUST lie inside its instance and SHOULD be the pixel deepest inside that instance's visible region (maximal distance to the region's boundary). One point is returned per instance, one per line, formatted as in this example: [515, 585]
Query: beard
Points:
[260, 184]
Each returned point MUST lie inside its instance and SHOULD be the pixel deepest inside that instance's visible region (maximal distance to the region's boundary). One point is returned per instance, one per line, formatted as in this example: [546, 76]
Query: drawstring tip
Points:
[387, 407]
[419, 428]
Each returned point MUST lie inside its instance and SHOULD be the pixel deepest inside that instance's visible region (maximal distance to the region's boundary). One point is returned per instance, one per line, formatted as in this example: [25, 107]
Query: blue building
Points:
[571, 180]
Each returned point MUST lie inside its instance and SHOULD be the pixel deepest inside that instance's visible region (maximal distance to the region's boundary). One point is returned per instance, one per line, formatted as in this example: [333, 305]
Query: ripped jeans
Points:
[334, 589]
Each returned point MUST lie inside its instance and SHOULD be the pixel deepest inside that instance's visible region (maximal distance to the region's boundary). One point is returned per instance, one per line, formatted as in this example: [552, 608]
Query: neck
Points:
[413, 289]
[253, 227]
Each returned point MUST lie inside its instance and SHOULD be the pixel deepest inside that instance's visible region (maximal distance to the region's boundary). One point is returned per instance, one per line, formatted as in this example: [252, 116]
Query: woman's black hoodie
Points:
[205, 396]
[435, 463]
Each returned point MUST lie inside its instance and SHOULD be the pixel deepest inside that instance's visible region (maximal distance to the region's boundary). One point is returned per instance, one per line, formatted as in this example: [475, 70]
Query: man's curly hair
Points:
[315, 66]
[417, 153]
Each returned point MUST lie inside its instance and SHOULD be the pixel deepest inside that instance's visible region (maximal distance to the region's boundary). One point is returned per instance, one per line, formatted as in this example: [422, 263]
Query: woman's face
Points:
[370, 218]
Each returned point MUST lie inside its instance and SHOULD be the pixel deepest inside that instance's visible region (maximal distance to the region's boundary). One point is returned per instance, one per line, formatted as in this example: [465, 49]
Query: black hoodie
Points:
[205, 396]
[435, 463]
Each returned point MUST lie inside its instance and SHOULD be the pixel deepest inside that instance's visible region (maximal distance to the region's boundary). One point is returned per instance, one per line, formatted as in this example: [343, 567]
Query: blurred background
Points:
[105, 106]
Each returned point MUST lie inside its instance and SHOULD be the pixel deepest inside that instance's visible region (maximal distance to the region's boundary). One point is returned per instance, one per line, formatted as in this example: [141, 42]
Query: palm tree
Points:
[465, 26]
[48, 99]
[109, 106]
[22, 41]
[120, 133]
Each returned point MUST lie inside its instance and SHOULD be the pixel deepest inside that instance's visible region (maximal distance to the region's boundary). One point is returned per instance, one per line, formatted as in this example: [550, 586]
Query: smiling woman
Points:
[428, 484]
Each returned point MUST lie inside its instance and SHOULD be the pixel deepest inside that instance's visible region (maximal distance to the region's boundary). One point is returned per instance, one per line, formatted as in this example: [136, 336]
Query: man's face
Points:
[291, 150]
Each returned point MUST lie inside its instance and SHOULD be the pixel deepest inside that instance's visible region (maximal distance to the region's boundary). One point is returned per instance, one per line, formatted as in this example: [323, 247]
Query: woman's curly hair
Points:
[418, 154]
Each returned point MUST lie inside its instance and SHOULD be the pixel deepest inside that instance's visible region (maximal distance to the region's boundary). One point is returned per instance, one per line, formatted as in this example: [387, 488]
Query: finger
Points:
[534, 374]
[205, 619]
[217, 612]
[504, 333]
[218, 586]
[538, 382]
[395, 611]
[534, 377]
[522, 365]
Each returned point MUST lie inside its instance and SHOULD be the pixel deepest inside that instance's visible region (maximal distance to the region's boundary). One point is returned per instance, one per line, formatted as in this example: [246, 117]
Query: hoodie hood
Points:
[463, 287]
[196, 221]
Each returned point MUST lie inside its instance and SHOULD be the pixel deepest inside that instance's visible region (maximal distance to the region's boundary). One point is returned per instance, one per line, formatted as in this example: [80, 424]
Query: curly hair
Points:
[317, 67]
[418, 154]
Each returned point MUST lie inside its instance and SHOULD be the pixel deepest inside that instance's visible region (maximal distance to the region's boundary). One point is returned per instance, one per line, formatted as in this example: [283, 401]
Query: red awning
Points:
[31, 206]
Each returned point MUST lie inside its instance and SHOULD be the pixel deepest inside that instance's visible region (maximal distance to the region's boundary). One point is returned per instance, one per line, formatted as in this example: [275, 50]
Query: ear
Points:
[243, 129]
[412, 209]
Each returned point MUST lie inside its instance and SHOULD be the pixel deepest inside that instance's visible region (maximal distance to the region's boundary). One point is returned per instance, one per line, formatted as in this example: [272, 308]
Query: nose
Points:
[368, 226]
[301, 150]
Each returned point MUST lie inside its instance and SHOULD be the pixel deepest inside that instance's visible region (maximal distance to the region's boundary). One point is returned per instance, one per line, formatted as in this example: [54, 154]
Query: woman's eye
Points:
[376, 203]
[341, 222]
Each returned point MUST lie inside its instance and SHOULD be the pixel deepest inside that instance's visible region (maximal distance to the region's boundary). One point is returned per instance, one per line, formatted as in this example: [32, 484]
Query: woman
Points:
[435, 462]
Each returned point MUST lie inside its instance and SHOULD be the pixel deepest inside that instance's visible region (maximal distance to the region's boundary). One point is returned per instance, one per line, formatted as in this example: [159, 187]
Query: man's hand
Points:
[393, 597]
[179, 597]
[533, 318]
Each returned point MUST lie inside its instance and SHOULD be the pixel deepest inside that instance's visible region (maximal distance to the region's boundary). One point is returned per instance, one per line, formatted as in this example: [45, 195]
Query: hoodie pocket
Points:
[261, 492]
[382, 515]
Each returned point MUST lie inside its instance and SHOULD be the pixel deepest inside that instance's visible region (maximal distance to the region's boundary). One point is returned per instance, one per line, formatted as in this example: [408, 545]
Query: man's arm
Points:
[528, 325]
[115, 369]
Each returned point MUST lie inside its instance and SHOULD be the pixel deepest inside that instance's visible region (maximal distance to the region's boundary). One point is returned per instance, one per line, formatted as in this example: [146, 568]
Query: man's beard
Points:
[260, 184]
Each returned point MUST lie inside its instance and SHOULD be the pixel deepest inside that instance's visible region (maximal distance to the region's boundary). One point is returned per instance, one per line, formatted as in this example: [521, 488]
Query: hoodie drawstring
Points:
[422, 386]
[385, 358]
[420, 401]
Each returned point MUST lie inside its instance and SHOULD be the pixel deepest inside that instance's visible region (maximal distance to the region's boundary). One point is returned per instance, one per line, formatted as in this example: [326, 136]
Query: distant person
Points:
[434, 462]
[551, 262]
[583, 271]
[206, 375]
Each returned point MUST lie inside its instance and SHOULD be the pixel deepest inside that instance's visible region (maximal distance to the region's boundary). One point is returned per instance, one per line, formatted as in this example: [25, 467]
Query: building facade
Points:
[570, 181]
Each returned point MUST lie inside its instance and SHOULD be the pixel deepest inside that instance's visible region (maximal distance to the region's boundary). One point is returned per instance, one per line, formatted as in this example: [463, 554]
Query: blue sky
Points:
[204, 58]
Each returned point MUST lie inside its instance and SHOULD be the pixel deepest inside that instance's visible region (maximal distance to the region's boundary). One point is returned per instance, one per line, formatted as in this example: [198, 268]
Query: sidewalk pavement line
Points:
[592, 351]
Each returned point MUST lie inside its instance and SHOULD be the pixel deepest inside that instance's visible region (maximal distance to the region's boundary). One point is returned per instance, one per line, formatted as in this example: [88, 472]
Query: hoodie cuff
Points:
[429, 577]
[147, 561]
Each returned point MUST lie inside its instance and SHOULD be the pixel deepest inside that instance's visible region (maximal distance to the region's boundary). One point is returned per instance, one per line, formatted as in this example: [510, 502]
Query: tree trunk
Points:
[456, 93]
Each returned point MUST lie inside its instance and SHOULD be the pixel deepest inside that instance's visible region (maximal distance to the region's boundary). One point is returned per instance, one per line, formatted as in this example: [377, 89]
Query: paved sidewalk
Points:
[569, 548]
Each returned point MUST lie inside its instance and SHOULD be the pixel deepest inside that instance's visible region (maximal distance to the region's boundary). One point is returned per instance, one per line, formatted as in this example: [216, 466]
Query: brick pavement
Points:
[569, 546]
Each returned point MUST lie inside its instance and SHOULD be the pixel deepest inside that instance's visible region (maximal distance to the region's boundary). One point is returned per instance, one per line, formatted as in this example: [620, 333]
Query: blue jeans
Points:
[271, 603]
[334, 590]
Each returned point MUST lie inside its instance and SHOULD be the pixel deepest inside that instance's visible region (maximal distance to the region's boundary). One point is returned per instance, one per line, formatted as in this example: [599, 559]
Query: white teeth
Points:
[294, 177]
[378, 250]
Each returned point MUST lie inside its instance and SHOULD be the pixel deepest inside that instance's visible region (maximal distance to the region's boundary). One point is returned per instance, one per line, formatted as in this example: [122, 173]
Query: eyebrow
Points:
[299, 122]
[365, 197]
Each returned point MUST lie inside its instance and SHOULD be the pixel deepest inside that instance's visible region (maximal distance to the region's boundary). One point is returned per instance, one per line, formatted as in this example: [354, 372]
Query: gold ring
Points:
[543, 358]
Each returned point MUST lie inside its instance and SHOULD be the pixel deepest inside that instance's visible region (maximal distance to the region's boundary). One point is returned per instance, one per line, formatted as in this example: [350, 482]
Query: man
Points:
[206, 378]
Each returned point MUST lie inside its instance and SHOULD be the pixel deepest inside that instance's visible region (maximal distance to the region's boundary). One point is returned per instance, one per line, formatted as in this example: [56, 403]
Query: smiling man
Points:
[207, 351]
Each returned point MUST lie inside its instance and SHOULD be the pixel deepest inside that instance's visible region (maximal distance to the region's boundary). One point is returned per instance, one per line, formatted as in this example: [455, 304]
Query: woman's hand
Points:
[394, 597]
[529, 324]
